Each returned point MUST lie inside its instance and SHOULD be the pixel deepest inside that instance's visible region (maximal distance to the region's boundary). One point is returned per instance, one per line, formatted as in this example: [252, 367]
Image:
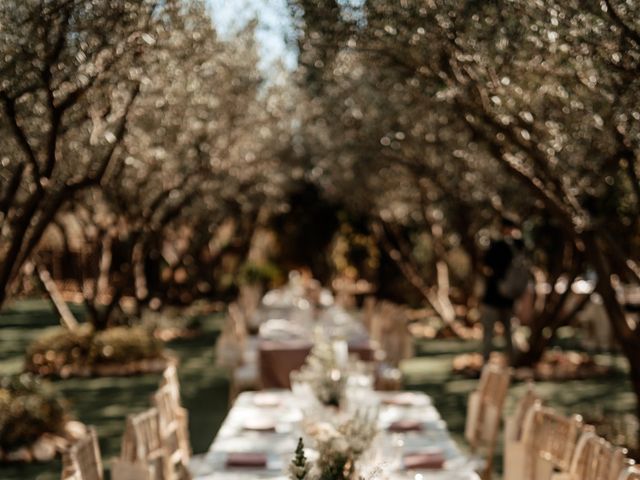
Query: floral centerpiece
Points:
[324, 374]
[339, 448]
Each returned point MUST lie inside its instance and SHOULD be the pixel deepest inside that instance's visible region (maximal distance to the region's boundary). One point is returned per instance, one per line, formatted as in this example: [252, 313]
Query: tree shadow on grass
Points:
[105, 402]
[432, 374]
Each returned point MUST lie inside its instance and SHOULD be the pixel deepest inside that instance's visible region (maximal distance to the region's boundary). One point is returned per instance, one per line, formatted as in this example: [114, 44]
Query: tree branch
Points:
[20, 136]
[615, 16]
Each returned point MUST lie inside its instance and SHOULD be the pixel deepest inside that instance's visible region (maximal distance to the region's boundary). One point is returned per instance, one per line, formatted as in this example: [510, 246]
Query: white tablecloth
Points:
[282, 409]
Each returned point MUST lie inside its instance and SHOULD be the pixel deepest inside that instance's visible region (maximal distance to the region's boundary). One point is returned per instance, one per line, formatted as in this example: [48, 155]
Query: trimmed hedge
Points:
[65, 353]
[29, 408]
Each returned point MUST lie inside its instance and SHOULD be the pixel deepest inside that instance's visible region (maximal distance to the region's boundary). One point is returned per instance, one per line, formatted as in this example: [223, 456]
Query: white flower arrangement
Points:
[339, 448]
[324, 374]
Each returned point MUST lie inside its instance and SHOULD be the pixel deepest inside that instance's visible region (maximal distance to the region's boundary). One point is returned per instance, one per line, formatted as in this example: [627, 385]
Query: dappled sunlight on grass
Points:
[431, 373]
[105, 402]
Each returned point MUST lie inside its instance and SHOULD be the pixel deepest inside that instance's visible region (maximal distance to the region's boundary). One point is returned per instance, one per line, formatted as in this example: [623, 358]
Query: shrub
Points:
[124, 344]
[63, 352]
[28, 408]
[57, 347]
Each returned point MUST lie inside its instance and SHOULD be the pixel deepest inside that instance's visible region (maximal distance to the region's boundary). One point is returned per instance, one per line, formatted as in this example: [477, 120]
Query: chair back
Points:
[125, 470]
[516, 454]
[389, 328]
[630, 473]
[172, 420]
[368, 311]
[517, 420]
[551, 436]
[484, 412]
[249, 300]
[82, 461]
[485, 406]
[142, 435]
[228, 351]
[170, 378]
[142, 448]
[596, 459]
[231, 341]
[238, 322]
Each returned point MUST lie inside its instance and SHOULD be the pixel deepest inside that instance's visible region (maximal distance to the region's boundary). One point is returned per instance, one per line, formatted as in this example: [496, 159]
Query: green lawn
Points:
[105, 402]
[430, 372]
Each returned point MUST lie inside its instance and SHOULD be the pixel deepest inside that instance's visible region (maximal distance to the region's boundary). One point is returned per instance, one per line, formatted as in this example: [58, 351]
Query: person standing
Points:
[503, 286]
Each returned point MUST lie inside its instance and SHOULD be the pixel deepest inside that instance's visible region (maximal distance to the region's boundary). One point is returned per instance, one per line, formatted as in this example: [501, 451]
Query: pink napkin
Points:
[427, 460]
[257, 427]
[247, 459]
[406, 426]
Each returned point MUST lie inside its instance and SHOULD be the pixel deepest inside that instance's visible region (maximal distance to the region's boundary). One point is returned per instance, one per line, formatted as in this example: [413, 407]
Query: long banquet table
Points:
[269, 422]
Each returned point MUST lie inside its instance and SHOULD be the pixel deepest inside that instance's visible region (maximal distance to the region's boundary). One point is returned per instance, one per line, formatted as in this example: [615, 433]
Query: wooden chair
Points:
[142, 454]
[124, 470]
[239, 322]
[398, 342]
[389, 328]
[484, 412]
[245, 374]
[170, 379]
[171, 433]
[514, 425]
[236, 354]
[595, 459]
[515, 450]
[228, 350]
[82, 461]
[550, 441]
[248, 302]
[376, 326]
[232, 340]
[368, 311]
[630, 473]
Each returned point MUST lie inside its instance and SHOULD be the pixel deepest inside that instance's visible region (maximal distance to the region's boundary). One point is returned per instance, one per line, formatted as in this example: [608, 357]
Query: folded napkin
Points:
[432, 460]
[247, 459]
[406, 426]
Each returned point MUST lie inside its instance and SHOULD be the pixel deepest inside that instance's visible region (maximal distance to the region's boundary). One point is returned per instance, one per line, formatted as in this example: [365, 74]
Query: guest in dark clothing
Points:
[495, 306]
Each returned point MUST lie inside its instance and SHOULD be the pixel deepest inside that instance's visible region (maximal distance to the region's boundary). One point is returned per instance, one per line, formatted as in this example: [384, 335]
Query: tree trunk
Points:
[96, 289]
[544, 333]
[139, 275]
[66, 316]
[442, 306]
[627, 337]
[628, 343]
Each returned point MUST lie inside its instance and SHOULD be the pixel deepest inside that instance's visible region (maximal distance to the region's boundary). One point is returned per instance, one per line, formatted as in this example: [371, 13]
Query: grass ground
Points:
[430, 371]
[105, 402]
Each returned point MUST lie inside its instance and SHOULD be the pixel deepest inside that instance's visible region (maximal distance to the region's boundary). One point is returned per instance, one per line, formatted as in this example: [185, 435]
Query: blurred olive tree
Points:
[437, 117]
[157, 138]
